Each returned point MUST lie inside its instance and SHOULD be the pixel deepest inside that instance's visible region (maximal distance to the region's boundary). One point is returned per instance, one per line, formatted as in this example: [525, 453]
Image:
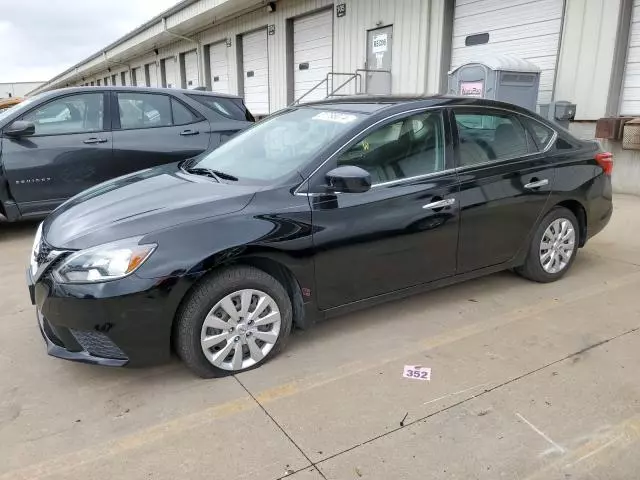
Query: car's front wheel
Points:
[553, 247]
[233, 321]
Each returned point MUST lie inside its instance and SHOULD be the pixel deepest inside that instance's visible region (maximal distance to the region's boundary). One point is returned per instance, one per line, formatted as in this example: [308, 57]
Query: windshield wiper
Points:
[215, 174]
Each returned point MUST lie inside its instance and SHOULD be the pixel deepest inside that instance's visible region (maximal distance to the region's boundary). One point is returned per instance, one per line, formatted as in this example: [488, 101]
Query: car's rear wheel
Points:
[233, 321]
[553, 247]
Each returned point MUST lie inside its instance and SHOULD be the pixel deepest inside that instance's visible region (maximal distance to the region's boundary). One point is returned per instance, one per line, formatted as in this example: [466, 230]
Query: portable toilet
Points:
[502, 77]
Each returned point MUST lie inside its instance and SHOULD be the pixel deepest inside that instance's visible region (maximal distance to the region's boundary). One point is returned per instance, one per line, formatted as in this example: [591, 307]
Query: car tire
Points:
[207, 302]
[537, 265]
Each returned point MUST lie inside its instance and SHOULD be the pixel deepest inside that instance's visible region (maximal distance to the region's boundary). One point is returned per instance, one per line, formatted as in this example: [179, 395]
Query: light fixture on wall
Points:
[271, 7]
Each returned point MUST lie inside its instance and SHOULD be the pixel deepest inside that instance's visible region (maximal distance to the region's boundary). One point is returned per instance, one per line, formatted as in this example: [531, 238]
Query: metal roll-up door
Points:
[219, 67]
[153, 75]
[191, 69]
[527, 29]
[255, 70]
[631, 84]
[312, 54]
[136, 77]
[170, 73]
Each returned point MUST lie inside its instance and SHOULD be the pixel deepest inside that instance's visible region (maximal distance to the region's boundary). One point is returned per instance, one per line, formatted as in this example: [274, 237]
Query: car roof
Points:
[368, 104]
[138, 89]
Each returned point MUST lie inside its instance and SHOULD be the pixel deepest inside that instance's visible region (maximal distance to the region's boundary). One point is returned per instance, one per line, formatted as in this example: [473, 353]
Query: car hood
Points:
[141, 203]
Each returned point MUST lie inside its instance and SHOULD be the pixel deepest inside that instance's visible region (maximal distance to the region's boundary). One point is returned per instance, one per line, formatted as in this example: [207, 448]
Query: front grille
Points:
[98, 344]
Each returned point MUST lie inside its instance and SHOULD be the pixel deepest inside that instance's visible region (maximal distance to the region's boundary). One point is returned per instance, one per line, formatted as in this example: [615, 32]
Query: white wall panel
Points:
[170, 73]
[529, 29]
[630, 104]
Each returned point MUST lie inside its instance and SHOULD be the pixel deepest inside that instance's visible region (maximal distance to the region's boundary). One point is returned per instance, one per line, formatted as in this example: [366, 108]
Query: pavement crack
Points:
[477, 395]
[281, 428]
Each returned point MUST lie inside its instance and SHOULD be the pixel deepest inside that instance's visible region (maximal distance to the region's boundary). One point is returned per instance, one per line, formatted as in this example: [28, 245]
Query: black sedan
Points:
[318, 210]
[56, 144]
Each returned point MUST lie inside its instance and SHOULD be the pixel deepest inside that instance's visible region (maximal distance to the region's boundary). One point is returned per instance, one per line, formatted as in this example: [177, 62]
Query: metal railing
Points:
[328, 82]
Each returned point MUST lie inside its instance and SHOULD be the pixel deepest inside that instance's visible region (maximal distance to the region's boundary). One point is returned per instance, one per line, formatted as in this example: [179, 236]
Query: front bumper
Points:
[122, 322]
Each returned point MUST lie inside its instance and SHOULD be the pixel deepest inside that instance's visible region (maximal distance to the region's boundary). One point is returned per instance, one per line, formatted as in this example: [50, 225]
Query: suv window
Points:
[485, 137]
[71, 114]
[227, 107]
[144, 110]
[181, 114]
[406, 148]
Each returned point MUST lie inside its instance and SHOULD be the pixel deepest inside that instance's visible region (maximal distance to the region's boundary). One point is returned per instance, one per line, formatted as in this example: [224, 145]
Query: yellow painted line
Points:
[67, 462]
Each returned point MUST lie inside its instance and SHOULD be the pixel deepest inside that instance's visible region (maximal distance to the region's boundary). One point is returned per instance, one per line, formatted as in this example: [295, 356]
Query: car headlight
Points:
[110, 261]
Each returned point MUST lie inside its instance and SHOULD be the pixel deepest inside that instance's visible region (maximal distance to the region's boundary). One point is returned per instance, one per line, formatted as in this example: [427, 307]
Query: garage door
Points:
[631, 85]
[219, 66]
[255, 70]
[527, 29]
[312, 53]
[153, 75]
[191, 69]
[170, 73]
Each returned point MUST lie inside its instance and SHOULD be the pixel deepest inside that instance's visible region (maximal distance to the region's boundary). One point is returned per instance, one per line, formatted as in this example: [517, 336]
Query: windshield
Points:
[280, 145]
[9, 111]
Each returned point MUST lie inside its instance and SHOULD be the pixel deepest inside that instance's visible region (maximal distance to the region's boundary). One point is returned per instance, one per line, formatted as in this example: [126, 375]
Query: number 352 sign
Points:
[416, 372]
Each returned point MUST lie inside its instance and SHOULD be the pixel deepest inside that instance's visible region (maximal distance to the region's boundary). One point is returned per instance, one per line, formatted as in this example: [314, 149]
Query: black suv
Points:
[59, 143]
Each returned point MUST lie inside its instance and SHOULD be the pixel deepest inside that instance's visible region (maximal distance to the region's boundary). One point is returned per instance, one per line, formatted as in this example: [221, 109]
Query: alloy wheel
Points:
[240, 330]
[557, 245]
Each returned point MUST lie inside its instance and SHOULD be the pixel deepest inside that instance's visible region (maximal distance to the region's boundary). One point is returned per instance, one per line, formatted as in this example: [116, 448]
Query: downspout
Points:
[199, 49]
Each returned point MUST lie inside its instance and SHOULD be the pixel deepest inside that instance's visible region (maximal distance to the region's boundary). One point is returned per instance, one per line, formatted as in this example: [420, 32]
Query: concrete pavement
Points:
[528, 381]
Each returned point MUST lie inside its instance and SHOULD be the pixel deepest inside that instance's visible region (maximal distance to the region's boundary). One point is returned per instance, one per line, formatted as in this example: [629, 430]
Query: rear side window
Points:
[144, 110]
[486, 137]
[541, 133]
[230, 108]
[181, 114]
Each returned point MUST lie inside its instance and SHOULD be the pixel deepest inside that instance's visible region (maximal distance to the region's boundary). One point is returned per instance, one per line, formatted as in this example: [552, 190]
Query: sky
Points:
[42, 38]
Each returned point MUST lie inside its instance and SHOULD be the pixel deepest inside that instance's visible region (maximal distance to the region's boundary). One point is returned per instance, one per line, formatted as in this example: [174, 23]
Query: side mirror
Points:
[348, 179]
[20, 128]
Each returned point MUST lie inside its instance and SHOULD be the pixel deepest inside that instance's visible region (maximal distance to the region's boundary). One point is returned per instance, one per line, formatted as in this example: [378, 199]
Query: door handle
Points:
[537, 183]
[439, 204]
[92, 141]
[186, 133]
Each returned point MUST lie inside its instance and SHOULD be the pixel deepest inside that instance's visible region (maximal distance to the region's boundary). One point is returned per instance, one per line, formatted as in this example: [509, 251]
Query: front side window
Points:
[279, 145]
[486, 137]
[144, 110]
[72, 114]
[409, 147]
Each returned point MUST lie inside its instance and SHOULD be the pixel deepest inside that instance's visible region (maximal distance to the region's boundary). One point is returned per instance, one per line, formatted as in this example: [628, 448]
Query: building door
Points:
[152, 75]
[219, 67]
[631, 86]
[312, 54]
[191, 70]
[379, 43]
[526, 29]
[255, 72]
[169, 73]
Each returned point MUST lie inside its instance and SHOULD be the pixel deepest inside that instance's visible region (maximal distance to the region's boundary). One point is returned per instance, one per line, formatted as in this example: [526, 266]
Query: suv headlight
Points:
[110, 261]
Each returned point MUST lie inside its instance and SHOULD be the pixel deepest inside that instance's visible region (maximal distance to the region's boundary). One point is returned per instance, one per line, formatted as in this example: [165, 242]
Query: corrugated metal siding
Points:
[529, 29]
[630, 104]
[411, 39]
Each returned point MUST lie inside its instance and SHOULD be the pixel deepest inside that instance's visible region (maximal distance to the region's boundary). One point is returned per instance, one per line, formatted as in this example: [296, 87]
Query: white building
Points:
[17, 89]
[272, 53]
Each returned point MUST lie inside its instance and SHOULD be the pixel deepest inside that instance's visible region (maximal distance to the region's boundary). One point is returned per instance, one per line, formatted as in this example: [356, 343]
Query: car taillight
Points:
[605, 160]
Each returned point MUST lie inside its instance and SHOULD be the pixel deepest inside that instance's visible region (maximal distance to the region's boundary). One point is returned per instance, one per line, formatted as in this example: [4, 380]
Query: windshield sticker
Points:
[335, 117]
